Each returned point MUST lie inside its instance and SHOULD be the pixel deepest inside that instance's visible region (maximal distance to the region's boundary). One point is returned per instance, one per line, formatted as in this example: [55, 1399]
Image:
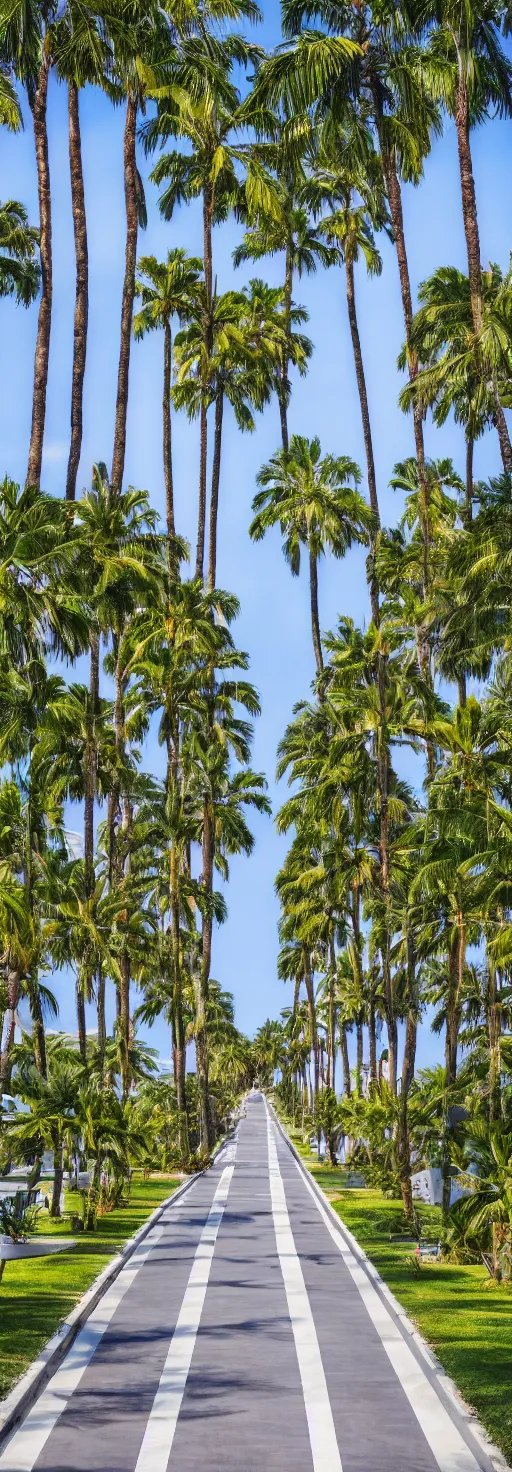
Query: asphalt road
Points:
[244, 1335]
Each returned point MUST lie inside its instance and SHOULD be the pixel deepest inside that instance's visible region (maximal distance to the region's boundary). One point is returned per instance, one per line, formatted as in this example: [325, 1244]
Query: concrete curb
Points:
[448, 1390]
[20, 1400]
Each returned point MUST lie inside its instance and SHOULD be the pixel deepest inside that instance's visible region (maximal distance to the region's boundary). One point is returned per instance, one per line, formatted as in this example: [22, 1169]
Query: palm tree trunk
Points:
[207, 251]
[504, 439]
[58, 1177]
[367, 432]
[201, 514]
[44, 321]
[205, 1121]
[214, 503]
[179, 1049]
[408, 1063]
[124, 1021]
[7, 1042]
[167, 444]
[38, 1031]
[470, 445]
[80, 1017]
[208, 343]
[347, 1085]
[130, 195]
[469, 210]
[372, 1035]
[313, 1030]
[456, 958]
[394, 194]
[494, 1026]
[283, 382]
[359, 1055]
[90, 766]
[315, 621]
[102, 1026]
[82, 288]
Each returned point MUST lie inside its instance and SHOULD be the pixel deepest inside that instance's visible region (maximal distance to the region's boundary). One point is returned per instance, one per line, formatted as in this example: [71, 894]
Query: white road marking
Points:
[159, 1434]
[445, 1441]
[322, 1435]
[22, 1451]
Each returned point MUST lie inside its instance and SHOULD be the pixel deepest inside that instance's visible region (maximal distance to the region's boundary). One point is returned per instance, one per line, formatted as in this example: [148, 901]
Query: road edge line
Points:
[447, 1387]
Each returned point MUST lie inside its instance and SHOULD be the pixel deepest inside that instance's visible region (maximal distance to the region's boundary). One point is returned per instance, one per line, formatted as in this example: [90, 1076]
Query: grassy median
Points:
[38, 1294]
[467, 1322]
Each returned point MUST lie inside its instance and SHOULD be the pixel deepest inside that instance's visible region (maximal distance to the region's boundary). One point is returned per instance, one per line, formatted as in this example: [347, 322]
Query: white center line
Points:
[445, 1441]
[159, 1434]
[322, 1435]
[23, 1450]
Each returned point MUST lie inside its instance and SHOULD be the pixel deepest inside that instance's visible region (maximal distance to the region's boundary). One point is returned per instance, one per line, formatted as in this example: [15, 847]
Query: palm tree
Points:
[27, 43]
[348, 180]
[246, 334]
[200, 105]
[459, 370]
[473, 75]
[316, 503]
[166, 289]
[52, 1121]
[279, 224]
[83, 55]
[19, 270]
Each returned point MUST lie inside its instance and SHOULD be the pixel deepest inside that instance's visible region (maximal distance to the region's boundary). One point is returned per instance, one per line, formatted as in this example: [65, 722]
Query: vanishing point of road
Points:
[245, 1335]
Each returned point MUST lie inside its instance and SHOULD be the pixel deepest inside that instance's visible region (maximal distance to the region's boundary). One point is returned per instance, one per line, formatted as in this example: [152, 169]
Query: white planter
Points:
[39, 1247]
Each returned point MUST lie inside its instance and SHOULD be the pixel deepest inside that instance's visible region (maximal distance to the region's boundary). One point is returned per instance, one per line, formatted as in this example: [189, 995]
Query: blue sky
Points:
[274, 624]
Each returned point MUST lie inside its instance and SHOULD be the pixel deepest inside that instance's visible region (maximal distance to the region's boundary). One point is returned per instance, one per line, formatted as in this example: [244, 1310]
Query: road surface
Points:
[244, 1336]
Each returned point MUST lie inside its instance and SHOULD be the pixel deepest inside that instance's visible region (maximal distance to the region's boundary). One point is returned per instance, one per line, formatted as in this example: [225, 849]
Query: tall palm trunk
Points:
[214, 502]
[119, 849]
[315, 620]
[205, 1121]
[372, 1037]
[283, 378]
[38, 1031]
[179, 1048]
[201, 514]
[167, 441]
[408, 1062]
[456, 961]
[472, 234]
[313, 1030]
[470, 446]
[13, 986]
[367, 431]
[383, 751]
[90, 766]
[124, 1020]
[394, 194]
[331, 1025]
[208, 344]
[44, 321]
[100, 1002]
[58, 1175]
[359, 1053]
[130, 196]
[504, 438]
[80, 1019]
[469, 210]
[82, 288]
[345, 1064]
[494, 1027]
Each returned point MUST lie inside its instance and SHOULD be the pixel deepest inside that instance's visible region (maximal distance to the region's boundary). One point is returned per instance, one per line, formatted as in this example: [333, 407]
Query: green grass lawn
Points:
[38, 1294]
[468, 1324]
